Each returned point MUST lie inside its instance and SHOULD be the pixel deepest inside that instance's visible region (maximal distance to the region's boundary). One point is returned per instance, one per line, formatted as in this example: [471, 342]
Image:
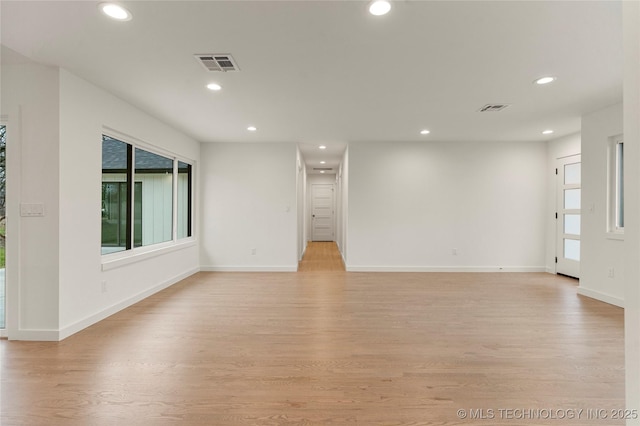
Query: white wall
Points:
[599, 252]
[301, 201]
[248, 197]
[30, 103]
[329, 179]
[411, 204]
[84, 110]
[54, 265]
[556, 148]
[631, 29]
[343, 204]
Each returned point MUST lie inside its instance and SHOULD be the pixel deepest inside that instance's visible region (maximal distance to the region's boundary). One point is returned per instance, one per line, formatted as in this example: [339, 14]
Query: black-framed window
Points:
[620, 185]
[153, 217]
[138, 197]
[615, 187]
[116, 193]
[184, 200]
[114, 216]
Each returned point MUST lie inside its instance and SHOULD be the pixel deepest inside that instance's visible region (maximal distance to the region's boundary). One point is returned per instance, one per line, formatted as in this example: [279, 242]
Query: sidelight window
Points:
[615, 209]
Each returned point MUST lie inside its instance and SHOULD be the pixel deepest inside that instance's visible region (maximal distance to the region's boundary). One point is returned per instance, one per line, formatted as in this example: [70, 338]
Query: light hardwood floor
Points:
[321, 256]
[329, 348]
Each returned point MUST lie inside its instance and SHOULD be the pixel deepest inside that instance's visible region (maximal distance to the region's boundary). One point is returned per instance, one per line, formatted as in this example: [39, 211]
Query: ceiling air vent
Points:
[217, 62]
[493, 107]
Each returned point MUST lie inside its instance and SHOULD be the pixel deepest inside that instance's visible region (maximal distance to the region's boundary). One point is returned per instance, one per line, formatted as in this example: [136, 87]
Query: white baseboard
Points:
[550, 270]
[355, 268]
[105, 313]
[292, 268]
[603, 297]
[304, 250]
[36, 335]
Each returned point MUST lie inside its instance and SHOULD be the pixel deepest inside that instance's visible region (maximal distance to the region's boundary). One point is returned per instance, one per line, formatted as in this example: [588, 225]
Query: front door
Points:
[322, 212]
[568, 216]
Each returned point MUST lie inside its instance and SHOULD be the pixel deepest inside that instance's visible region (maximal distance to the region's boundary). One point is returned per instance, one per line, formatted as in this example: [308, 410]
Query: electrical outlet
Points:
[611, 273]
[104, 286]
[253, 252]
[454, 251]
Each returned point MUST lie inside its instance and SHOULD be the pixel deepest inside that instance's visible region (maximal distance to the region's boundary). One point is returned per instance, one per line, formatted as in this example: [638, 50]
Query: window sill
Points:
[120, 259]
[615, 236]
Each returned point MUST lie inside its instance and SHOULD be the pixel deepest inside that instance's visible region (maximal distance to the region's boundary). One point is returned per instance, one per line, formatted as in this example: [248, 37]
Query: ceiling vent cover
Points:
[493, 107]
[217, 62]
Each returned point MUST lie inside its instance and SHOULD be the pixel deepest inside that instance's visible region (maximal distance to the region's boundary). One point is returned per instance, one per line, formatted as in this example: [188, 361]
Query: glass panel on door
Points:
[572, 249]
[572, 224]
[572, 199]
[572, 174]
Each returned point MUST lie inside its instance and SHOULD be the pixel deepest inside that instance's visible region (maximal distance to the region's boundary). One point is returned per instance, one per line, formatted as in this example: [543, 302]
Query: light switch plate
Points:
[31, 210]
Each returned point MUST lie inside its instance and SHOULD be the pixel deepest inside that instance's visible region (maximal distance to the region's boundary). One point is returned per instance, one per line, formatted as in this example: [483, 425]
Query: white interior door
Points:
[322, 212]
[568, 216]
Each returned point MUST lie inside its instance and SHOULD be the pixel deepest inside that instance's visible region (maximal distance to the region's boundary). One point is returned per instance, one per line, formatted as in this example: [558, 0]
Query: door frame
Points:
[565, 266]
[12, 212]
[333, 209]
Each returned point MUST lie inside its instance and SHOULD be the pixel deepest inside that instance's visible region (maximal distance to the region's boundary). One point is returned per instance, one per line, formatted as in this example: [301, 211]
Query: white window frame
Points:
[135, 254]
[614, 181]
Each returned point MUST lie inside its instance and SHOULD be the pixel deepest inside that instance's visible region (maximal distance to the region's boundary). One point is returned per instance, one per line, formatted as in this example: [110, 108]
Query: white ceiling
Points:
[328, 72]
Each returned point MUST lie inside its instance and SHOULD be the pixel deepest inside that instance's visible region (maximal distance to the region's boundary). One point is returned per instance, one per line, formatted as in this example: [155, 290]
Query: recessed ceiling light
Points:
[323, 162]
[379, 7]
[321, 171]
[252, 128]
[322, 147]
[424, 132]
[547, 132]
[214, 86]
[544, 80]
[115, 11]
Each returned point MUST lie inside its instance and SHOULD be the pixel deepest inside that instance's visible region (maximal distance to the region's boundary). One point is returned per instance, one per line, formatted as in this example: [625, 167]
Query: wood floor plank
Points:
[321, 256]
[323, 348]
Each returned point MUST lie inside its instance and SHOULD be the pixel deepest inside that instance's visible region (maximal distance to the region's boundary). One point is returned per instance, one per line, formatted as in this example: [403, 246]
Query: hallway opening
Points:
[321, 256]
